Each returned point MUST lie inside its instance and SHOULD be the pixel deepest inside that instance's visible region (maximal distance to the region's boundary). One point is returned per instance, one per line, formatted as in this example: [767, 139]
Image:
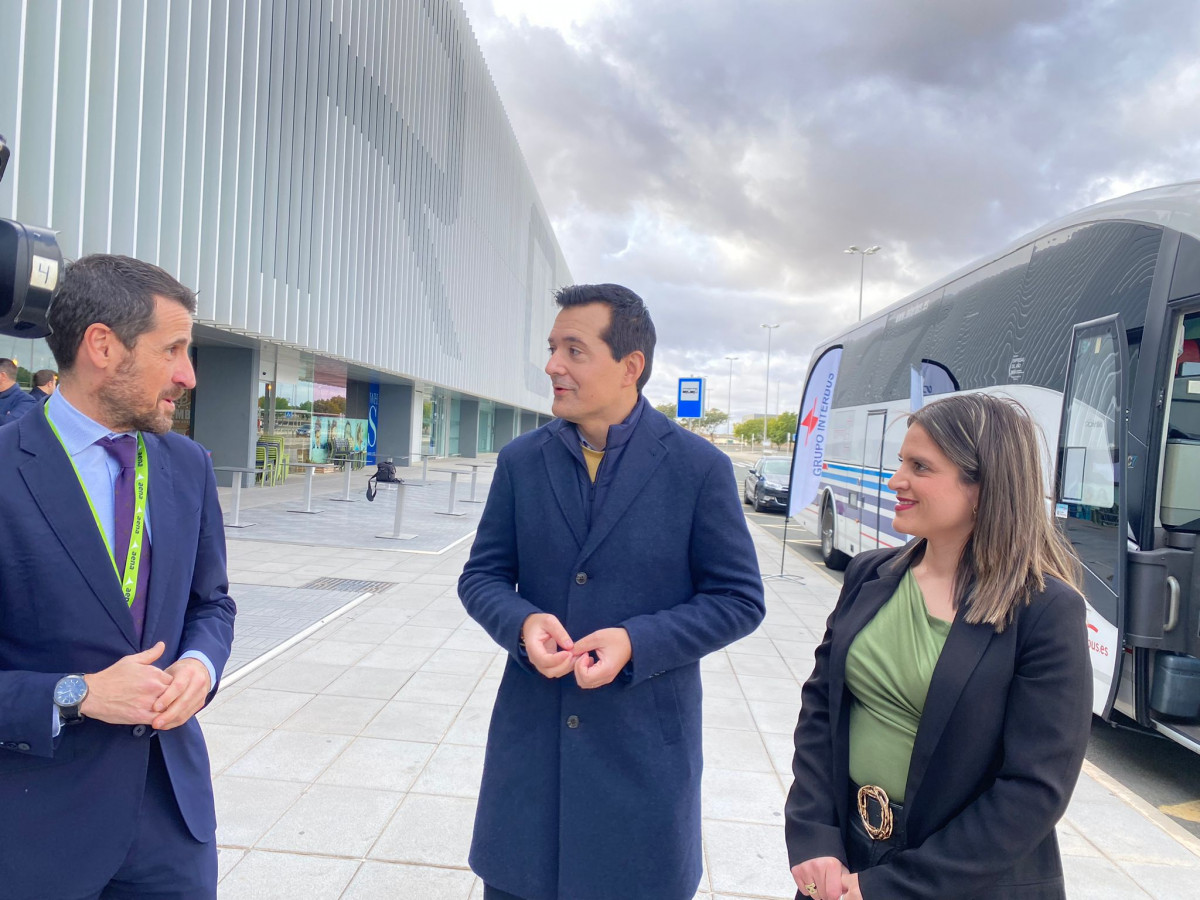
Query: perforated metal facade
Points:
[336, 176]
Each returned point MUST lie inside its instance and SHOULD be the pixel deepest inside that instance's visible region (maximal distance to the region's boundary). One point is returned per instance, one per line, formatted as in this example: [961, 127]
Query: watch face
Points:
[70, 691]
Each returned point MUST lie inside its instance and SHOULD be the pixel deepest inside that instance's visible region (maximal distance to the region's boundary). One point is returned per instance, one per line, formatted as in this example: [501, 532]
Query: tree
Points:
[782, 428]
[711, 421]
[668, 409]
[334, 406]
[749, 430]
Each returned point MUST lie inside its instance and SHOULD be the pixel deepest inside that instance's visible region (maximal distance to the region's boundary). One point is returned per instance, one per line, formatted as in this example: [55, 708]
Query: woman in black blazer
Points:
[987, 682]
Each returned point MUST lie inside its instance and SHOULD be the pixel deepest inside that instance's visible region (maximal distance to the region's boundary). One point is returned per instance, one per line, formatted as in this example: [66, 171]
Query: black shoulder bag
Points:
[384, 472]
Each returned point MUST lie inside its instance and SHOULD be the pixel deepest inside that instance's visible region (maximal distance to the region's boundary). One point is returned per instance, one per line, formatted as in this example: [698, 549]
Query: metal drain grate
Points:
[347, 584]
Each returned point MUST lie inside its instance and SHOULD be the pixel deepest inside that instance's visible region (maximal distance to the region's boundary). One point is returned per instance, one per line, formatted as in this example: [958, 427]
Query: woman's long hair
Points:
[1015, 544]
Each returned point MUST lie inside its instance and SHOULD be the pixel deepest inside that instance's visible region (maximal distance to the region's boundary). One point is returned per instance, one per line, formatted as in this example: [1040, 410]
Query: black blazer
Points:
[996, 756]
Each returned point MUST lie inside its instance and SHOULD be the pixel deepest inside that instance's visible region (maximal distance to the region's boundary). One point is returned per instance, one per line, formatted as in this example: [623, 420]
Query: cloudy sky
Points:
[717, 156]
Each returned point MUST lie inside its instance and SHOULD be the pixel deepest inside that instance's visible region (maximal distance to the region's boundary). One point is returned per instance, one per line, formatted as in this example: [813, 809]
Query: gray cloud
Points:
[717, 157]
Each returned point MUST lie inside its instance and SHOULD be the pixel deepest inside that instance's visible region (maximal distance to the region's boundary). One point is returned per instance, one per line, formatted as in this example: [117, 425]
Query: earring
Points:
[974, 511]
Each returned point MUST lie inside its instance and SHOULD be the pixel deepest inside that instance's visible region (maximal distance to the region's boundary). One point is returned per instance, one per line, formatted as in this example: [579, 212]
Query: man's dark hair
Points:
[117, 291]
[43, 377]
[8, 368]
[630, 329]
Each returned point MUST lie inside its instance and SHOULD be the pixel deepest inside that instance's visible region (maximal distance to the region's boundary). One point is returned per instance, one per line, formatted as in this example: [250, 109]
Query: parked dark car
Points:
[767, 484]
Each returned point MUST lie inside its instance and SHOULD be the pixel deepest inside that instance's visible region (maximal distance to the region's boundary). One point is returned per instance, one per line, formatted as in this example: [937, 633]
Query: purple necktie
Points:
[123, 449]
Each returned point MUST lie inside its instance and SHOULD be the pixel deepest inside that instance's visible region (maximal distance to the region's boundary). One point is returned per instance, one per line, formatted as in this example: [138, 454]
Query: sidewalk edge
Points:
[1148, 811]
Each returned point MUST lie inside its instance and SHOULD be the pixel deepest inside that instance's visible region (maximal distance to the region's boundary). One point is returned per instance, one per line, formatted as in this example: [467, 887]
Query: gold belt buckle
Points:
[878, 794]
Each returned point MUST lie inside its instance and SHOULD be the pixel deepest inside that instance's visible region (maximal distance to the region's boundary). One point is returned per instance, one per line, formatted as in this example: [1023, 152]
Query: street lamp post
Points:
[729, 407]
[767, 400]
[862, 263]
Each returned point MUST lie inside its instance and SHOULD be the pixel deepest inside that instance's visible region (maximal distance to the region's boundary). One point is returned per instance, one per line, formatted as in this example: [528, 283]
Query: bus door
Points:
[1090, 491]
[871, 486]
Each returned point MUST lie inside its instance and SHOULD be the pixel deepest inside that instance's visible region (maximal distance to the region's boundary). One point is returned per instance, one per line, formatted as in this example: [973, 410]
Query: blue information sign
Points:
[691, 398]
[372, 423]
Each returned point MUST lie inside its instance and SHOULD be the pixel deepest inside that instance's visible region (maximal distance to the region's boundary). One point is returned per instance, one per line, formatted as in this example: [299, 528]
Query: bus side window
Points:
[1181, 465]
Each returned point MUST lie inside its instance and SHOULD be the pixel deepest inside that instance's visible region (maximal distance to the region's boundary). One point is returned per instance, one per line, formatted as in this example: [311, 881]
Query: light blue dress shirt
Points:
[99, 472]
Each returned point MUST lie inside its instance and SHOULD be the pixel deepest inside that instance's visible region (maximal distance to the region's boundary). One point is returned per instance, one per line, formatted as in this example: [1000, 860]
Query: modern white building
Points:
[339, 183]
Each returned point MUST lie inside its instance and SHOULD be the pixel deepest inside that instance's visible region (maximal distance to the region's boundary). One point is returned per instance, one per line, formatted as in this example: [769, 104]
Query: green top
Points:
[888, 670]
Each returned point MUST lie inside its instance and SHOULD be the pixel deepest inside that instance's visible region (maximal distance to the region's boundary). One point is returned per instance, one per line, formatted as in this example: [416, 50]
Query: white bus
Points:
[1093, 323]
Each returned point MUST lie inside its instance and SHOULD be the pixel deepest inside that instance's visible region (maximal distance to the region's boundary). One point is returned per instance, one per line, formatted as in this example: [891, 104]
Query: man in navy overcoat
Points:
[112, 636]
[612, 556]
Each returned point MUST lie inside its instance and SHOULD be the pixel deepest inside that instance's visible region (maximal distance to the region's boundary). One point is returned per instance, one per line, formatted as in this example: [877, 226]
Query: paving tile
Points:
[471, 724]
[1089, 878]
[435, 687]
[333, 820]
[256, 707]
[458, 662]
[748, 859]
[335, 652]
[334, 715]
[428, 830]
[420, 636]
[453, 771]
[387, 615]
[715, 662]
[366, 632]
[776, 690]
[771, 666]
[742, 796]
[476, 639]
[226, 743]
[261, 875]
[249, 806]
[728, 712]
[738, 750]
[721, 684]
[365, 681]
[227, 858]
[301, 676]
[1127, 835]
[439, 618]
[775, 718]
[397, 656]
[405, 721]
[388, 765]
[290, 756]
[399, 880]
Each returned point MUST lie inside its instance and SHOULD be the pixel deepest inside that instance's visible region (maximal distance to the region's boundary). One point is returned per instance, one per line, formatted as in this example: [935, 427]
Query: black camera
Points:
[30, 267]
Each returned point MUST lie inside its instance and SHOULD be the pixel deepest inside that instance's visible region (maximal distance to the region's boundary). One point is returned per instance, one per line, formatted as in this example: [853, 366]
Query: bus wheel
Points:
[834, 559]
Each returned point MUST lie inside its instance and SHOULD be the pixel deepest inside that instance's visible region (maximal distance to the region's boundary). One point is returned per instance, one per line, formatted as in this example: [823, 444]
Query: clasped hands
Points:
[134, 691]
[553, 653]
[832, 879]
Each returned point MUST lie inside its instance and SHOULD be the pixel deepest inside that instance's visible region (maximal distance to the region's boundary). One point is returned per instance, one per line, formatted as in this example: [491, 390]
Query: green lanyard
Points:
[133, 562]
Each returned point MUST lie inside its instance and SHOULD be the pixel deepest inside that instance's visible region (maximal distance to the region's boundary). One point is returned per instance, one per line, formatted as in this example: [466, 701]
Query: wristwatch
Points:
[69, 695]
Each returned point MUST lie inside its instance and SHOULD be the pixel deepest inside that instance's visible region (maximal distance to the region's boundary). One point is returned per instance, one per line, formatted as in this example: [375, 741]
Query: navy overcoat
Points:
[71, 802]
[595, 795]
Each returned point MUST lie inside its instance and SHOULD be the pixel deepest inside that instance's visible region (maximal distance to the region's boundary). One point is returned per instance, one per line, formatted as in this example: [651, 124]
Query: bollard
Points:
[397, 524]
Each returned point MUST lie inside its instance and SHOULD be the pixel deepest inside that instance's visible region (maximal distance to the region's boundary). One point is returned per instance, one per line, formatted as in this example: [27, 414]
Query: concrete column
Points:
[504, 422]
[394, 436]
[468, 428]
[226, 405]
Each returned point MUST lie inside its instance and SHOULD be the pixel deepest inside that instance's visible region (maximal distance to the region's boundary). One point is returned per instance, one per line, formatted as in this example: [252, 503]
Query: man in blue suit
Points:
[115, 616]
[612, 555]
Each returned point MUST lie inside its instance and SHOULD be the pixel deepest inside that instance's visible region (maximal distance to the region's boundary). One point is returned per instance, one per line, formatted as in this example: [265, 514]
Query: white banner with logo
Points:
[811, 431]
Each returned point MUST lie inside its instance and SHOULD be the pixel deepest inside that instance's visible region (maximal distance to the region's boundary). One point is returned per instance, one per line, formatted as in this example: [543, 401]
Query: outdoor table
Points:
[397, 525]
[453, 473]
[475, 467]
[237, 493]
[346, 498]
[308, 488]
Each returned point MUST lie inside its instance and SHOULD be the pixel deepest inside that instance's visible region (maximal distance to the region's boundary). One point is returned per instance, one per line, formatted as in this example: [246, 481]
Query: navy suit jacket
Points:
[997, 752]
[592, 795]
[71, 803]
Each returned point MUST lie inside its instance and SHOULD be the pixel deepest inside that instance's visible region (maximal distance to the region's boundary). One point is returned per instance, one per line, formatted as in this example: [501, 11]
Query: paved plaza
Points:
[347, 740]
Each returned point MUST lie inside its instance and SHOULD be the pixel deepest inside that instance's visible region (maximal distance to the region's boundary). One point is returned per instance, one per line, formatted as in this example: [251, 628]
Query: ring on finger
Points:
[811, 889]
